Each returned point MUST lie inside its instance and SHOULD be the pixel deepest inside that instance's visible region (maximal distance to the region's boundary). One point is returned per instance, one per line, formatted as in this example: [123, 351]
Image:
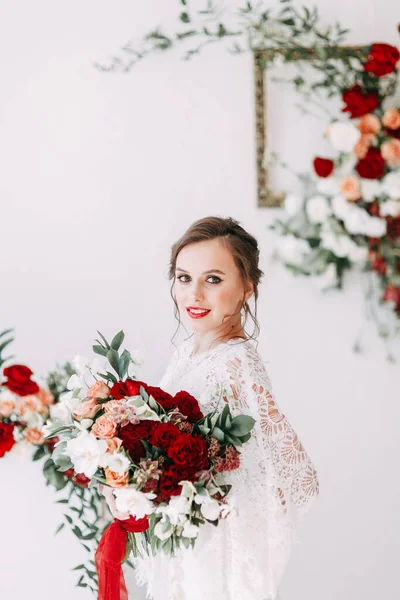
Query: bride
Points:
[214, 270]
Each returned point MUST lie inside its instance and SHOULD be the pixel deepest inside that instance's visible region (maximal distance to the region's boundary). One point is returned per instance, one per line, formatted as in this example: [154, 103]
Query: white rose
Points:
[376, 227]
[338, 244]
[343, 136]
[293, 204]
[357, 254]
[391, 184]
[328, 185]
[134, 502]
[119, 463]
[341, 207]
[292, 249]
[318, 209]
[370, 189]
[86, 453]
[327, 279]
[390, 208]
[60, 411]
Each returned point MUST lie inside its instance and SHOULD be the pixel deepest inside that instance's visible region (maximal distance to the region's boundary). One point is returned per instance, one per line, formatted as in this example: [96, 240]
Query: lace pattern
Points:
[243, 558]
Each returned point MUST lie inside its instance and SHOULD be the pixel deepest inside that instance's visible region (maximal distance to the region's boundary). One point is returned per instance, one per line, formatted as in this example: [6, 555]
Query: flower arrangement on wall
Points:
[349, 215]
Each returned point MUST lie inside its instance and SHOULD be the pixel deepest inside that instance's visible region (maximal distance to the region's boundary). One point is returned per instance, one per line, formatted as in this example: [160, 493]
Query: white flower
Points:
[390, 208]
[328, 279]
[163, 530]
[34, 419]
[357, 254]
[86, 453]
[370, 189]
[341, 207]
[132, 501]
[293, 204]
[328, 185]
[343, 136]
[118, 463]
[376, 227]
[318, 209]
[391, 184]
[61, 412]
[142, 409]
[210, 509]
[292, 249]
[190, 530]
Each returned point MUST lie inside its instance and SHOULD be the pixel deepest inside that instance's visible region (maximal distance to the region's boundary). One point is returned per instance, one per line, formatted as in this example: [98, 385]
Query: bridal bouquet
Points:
[160, 459]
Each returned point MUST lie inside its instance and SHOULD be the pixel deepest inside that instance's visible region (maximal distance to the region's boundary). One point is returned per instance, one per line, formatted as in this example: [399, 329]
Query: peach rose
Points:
[104, 427]
[350, 188]
[99, 390]
[45, 397]
[87, 410]
[34, 435]
[365, 141]
[114, 479]
[114, 444]
[391, 119]
[391, 152]
[7, 408]
[29, 404]
[369, 124]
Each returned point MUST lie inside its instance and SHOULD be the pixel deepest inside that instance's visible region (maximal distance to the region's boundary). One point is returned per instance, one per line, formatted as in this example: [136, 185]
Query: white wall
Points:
[100, 174]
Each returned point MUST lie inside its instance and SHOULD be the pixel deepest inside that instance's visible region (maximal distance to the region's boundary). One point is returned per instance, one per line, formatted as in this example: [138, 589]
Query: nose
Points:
[196, 292]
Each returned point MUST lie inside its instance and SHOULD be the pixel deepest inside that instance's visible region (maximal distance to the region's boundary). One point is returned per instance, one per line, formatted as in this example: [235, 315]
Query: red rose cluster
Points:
[19, 380]
[7, 440]
[183, 454]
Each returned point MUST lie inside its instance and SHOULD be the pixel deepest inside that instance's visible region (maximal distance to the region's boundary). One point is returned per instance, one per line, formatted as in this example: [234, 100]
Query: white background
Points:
[100, 174]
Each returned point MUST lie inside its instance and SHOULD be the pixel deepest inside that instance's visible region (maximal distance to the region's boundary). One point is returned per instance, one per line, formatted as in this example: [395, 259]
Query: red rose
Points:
[188, 406]
[378, 264]
[19, 380]
[392, 294]
[130, 387]
[189, 451]
[164, 435]
[372, 166]
[131, 442]
[393, 228]
[323, 166]
[394, 133]
[169, 482]
[6, 437]
[162, 397]
[382, 59]
[358, 102]
[77, 478]
[373, 209]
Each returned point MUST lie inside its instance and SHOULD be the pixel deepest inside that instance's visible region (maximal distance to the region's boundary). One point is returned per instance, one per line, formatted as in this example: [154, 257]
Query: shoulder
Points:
[244, 361]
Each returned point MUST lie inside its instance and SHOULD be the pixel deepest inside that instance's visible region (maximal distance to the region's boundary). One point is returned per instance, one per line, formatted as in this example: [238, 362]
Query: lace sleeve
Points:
[290, 466]
[276, 482]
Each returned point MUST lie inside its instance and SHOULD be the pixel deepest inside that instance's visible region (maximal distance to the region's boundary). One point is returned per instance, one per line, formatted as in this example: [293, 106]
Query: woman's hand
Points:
[110, 498]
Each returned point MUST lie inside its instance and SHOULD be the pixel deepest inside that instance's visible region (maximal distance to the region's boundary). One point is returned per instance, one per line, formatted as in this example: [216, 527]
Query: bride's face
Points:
[206, 276]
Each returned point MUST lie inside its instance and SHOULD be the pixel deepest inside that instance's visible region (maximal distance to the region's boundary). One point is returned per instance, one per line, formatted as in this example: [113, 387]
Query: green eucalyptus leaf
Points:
[219, 434]
[242, 425]
[117, 340]
[99, 350]
[107, 345]
[124, 361]
[113, 359]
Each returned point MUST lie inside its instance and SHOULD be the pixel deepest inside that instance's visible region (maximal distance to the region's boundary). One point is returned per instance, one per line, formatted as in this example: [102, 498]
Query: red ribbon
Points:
[109, 556]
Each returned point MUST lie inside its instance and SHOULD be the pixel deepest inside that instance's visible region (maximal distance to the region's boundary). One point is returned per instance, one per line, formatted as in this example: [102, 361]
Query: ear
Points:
[250, 290]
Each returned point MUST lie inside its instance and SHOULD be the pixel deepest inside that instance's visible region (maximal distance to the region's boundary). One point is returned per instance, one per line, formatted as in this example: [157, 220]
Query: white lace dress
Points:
[245, 556]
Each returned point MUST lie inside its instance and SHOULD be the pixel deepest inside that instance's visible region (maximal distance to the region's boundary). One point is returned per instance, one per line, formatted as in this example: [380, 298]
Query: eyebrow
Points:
[205, 272]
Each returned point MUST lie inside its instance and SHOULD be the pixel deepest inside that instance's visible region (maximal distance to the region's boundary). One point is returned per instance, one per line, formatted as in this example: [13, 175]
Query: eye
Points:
[210, 277]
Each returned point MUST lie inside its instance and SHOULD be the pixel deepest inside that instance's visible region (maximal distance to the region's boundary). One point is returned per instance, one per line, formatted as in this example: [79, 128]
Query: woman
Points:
[215, 273]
